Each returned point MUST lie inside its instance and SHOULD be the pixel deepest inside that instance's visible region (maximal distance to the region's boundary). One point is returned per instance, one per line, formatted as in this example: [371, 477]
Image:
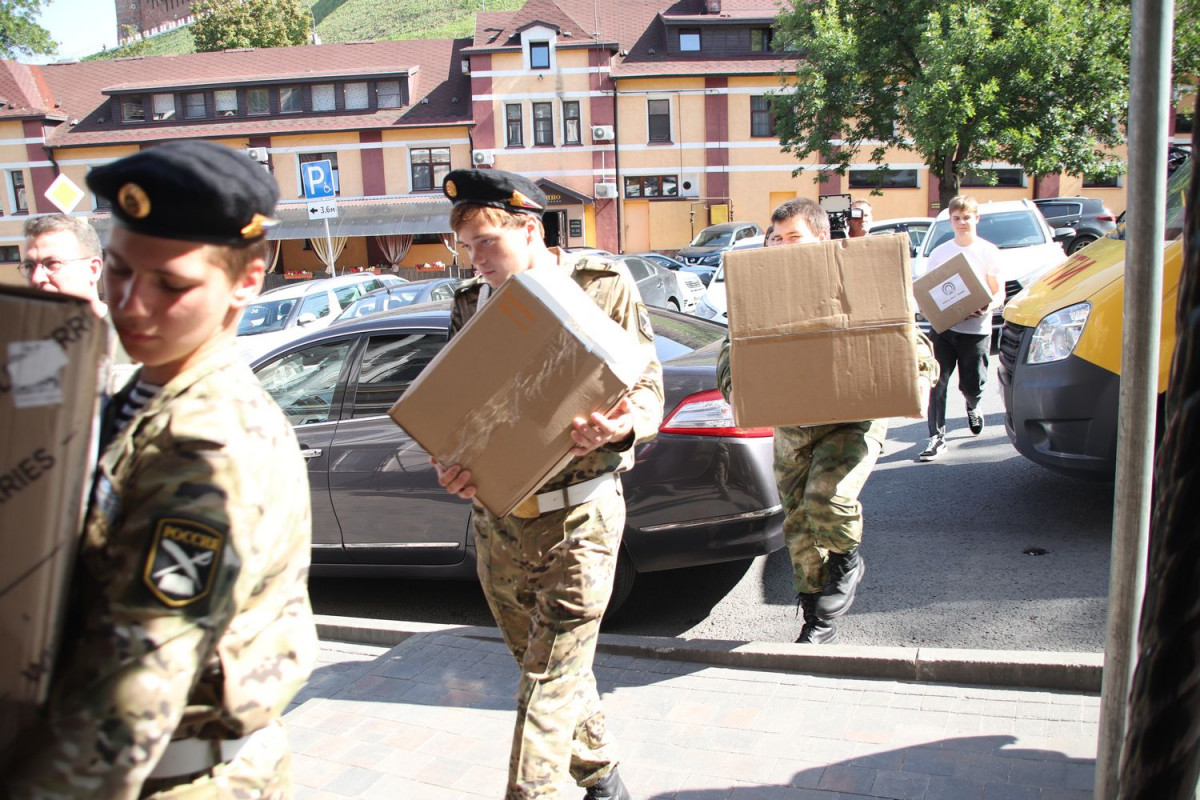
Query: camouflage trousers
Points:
[820, 470]
[262, 770]
[548, 581]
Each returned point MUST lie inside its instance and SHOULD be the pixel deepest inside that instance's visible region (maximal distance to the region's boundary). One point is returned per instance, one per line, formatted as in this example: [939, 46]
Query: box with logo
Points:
[950, 293]
[822, 333]
[500, 397]
[54, 351]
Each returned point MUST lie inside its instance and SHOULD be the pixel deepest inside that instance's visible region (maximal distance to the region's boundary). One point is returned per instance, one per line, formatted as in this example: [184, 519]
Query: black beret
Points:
[495, 188]
[190, 190]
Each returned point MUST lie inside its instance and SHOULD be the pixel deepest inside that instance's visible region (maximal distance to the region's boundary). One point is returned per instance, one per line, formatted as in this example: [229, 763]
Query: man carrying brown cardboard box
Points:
[820, 470]
[547, 568]
[966, 344]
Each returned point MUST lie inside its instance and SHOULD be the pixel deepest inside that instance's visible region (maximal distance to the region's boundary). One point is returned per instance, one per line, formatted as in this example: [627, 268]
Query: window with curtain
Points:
[258, 102]
[543, 124]
[513, 125]
[658, 115]
[762, 119]
[572, 129]
[430, 165]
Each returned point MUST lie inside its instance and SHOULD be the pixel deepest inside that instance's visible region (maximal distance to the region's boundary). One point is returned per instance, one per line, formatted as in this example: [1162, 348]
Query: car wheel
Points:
[673, 304]
[1080, 242]
[622, 585]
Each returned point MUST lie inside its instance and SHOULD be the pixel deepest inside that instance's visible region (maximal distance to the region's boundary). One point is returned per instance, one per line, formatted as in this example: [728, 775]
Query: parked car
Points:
[703, 272]
[702, 492]
[712, 305]
[1087, 216]
[282, 314]
[915, 227]
[658, 285]
[708, 245]
[1060, 350]
[407, 294]
[1028, 246]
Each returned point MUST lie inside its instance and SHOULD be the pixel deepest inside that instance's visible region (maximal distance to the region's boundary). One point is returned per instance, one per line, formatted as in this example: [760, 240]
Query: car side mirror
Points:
[912, 251]
[306, 319]
[1063, 234]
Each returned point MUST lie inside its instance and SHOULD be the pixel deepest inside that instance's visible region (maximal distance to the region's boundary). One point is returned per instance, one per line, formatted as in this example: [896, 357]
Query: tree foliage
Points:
[227, 24]
[1039, 84]
[20, 33]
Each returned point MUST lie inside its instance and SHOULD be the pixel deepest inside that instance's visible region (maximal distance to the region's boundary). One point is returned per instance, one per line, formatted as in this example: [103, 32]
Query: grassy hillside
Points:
[352, 20]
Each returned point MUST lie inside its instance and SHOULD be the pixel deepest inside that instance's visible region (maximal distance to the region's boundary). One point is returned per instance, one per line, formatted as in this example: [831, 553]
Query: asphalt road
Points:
[948, 550]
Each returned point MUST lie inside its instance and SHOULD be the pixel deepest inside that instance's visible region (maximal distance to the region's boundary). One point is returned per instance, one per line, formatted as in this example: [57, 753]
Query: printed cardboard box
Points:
[950, 293]
[500, 397]
[822, 333]
[54, 352]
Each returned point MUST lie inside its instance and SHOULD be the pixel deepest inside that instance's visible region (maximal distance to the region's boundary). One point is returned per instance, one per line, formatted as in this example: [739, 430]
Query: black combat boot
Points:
[610, 787]
[815, 630]
[845, 573]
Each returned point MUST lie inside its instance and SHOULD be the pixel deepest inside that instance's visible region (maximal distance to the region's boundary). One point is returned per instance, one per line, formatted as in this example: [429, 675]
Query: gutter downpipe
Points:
[617, 168]
[1149, 100]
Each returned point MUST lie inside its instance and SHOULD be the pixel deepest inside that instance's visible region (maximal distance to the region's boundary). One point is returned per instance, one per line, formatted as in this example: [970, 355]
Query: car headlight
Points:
[1057, 334]
[703, 309]
[711, 261]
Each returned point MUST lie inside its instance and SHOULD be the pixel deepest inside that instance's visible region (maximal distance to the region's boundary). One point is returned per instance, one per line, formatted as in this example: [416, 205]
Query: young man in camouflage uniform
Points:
[820, 470]
[547, 568]
[190, 629]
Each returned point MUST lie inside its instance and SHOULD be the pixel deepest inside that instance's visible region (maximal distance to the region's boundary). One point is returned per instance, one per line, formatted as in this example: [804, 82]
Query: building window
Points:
[290, 101]
[430, 165]
[305, 158]
[133, 108]
[658, 115]
[355, 96]
[762, 119]
[16, 180]
[1185, 122]
[164, 106]
[891, 179]
[652, 186]
[10, 253]
[539, 55]
[225, 102]
[689, 40]
[572, 130]
[323, 97]
[1103, 181]
[388, 94]
[760, 40]
[258, 102]
[512, 118]
[193, 105]
[543, 124]
[1009, 176]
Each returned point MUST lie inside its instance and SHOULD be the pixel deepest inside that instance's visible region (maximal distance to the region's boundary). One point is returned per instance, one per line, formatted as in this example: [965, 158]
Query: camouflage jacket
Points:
[190, 614]
[613, 289]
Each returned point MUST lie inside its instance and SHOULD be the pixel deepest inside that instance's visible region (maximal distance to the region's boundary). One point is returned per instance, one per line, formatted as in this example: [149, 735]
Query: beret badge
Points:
[521, 201]
[134, 201]
[257, 226]
[451, 189]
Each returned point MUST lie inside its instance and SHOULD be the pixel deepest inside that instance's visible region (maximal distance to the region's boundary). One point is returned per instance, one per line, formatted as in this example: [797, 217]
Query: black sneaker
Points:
[975, 420]
[845, 573]
[610, 787]
[935, 447]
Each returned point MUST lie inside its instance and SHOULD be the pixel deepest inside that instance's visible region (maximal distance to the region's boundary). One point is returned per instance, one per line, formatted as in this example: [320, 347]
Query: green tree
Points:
[20, 33]
[132, 47]
[1039, 84]
[1187, 42]
[226, 24]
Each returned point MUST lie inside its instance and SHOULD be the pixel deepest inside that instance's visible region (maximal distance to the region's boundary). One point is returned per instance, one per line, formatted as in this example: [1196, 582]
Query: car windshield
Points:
[266, 316]
[395, 297]
[1176, 217]
[1005, 229]
[303, 382]
[710, 238]
[676, 335]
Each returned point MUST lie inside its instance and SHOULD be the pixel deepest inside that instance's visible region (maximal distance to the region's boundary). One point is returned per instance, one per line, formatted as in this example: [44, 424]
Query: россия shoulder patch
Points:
[182, 561]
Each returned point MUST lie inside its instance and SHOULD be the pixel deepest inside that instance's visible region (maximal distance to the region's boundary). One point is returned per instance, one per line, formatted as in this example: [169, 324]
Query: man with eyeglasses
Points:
[62, 254]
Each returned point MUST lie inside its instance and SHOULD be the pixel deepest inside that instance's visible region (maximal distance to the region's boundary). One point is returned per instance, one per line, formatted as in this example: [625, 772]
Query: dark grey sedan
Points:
[702, 491]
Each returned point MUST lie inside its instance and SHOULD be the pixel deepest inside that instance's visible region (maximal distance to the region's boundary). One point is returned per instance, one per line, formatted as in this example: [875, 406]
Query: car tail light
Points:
[707, 414]
[1107, 216]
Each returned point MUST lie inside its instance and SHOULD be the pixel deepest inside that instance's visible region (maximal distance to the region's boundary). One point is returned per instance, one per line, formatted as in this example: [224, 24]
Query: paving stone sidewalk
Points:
[432, 719]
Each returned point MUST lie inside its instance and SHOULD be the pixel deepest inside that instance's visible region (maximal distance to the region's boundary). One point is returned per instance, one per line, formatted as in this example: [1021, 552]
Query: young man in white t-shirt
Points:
[966, 344]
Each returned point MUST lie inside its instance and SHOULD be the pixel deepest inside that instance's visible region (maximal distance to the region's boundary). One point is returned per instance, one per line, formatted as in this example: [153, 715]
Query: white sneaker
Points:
[934, 448]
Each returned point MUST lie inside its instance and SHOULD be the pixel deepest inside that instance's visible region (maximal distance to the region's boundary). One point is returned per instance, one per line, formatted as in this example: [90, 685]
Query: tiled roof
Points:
[661, 67]
[78, 88]
[21, 92]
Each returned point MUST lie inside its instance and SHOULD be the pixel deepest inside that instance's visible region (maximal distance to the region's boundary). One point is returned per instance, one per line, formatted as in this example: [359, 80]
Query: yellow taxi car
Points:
[1060, 350]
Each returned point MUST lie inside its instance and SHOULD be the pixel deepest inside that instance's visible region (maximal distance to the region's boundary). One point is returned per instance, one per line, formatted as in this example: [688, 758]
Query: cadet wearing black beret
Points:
[194, 191]
[495, 188]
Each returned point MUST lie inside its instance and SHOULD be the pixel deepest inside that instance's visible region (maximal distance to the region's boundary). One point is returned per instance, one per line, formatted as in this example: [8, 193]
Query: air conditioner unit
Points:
[602, 133]
[689, 185]
[258, 154]
[482, 158]
[606, 191]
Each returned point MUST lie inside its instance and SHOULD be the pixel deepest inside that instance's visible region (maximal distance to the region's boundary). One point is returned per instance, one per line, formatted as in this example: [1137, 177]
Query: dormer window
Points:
[388, 94]
[539, 55]
[164, 106]
[290, 101]
[225, 102]
[323, 97]
[258, 102]
[193, 105]
[689, 40]
[133, 108]
[760, 40]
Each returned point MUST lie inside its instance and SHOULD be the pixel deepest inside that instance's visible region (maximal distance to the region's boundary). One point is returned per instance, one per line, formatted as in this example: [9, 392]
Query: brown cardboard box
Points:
[822, 333]
[53, 351]
[950, 293]
[500, 398]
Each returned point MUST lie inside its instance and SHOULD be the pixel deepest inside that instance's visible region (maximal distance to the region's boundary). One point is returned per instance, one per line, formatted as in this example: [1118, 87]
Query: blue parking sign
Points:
[317, 177]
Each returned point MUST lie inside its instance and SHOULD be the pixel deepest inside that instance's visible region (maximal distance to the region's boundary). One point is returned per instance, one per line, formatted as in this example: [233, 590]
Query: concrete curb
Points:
[1074, 672]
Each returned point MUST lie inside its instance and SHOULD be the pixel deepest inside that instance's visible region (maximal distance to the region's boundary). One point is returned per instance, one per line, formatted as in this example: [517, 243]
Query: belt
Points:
[568, 496]
[191, 756]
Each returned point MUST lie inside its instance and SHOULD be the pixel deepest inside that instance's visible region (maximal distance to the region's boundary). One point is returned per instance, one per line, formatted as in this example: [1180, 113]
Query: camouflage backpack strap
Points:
[928, 368]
